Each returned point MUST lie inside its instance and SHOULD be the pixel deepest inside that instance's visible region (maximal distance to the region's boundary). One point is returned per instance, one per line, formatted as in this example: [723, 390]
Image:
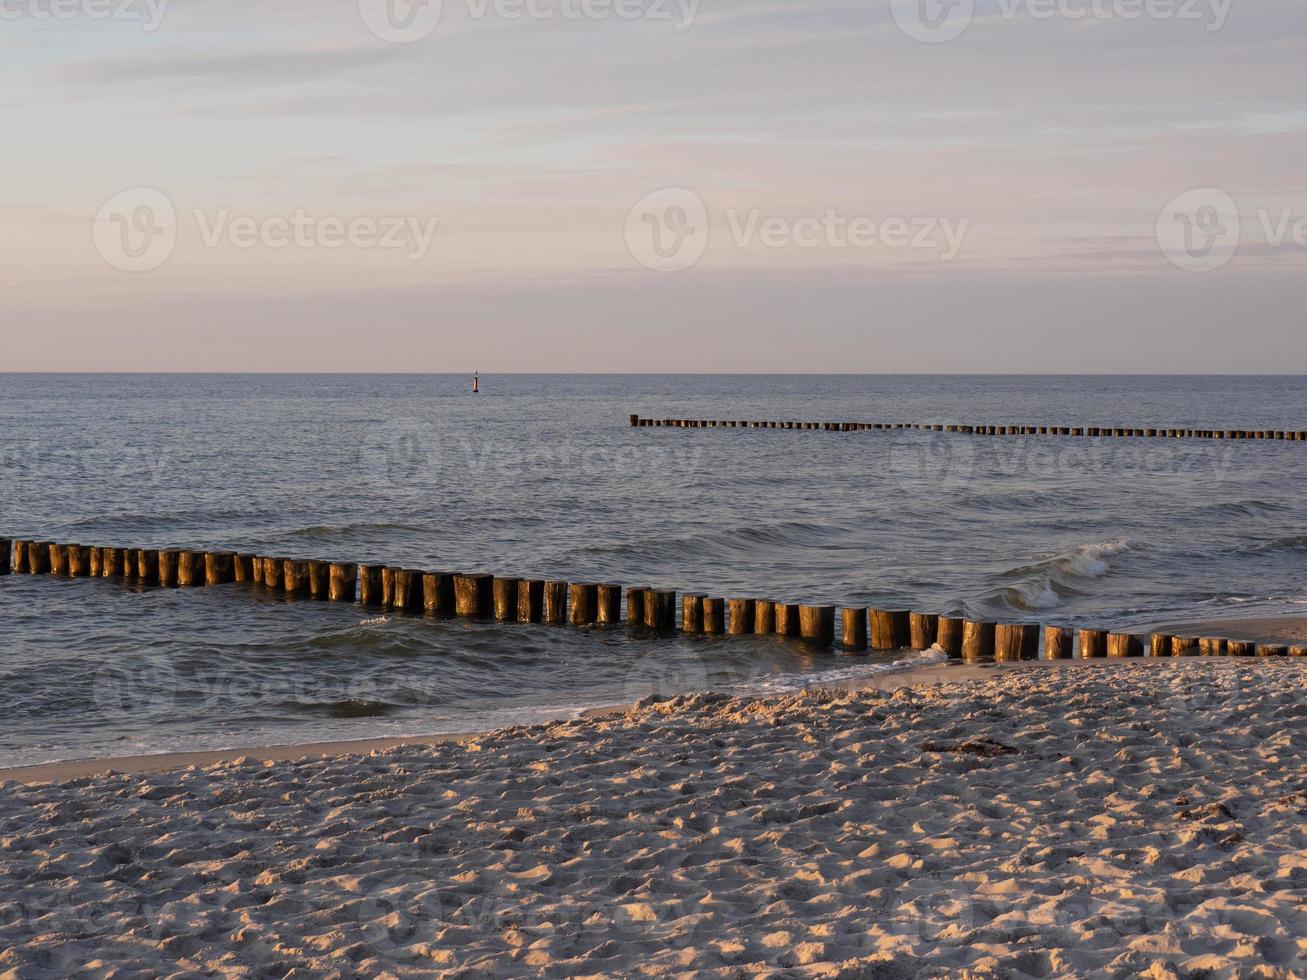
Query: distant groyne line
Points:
[477, 595]
[1087, 431]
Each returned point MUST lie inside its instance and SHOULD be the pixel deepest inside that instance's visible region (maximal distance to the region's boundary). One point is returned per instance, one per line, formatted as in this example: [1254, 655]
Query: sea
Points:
[542, 476]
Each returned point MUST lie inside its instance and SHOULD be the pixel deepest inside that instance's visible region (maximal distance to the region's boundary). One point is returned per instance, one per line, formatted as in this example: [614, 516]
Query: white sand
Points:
[1148, 822]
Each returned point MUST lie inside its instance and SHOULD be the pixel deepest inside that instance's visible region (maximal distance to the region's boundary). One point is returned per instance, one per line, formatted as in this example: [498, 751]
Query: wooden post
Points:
[21, 557]
[168, 562]
[555, 603]
[764, 617]
[388, 586]
[1058, 642]
[637, 597]
[190, 569]
[741, 618]
[1211, 646]
[1159, 645]
[582, 603]
[660, 610]
[635, 420]
[256, 569]
[472, 596]
[504, 593]
[342, 581]
[787, 619]
[714, 615]
[147, 566]
[295, 574]
[817, 624]
[370, 593]
[609, 597]
[97, 561]
[318, 575]
[79, 560]
[438, 594]
[59, 560]
[1272, 650]
[1298, 651]
[923, 628]
[692, 613]
[219, 568]
[6, 556]
[1121, 645]
[242, 568]
[1184, 646]
[406, 590]
[949, 635]
[1014, 642]
[1241, 648]
[274, 575]
[977, 640]
[890, 629]
[853, 626]
[1093, 644]
[530, 600]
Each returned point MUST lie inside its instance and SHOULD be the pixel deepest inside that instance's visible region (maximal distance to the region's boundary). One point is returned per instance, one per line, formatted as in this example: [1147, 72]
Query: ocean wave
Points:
[345, 708]
[1244, 508]
[782, 683]
[1045, 584]
[1294, 542]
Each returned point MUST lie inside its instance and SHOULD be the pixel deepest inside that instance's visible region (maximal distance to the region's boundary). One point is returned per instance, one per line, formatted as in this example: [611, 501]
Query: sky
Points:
[916, 186]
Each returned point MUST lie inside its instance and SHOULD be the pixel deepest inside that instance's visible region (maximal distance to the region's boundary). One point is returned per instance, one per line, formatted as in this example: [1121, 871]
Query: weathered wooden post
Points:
[1272, 650]
[242, 568]
[370, 593]
[274, 574]
[609, 598]
[1211, 646]
[146, 561]
[741, 618]
[853, 628]
[190, 569]
[319, 577]
[1122, 645]
[817, 624]
[1298, 651]
[977, 640]
[79, 560]
[1014, 642]
[219, 568]
[582, 603]
[6, 556]
[97, 562]
[949, 635]
[714, 615]
[388, 586]
[504, 593]
[256, 569]
[890, 629]
[555, 603]
[1184, 646]
[342, 581]
[530, 600]
[472, 596]
[21, 556]
[787, 619]
[923, 628]
[59, 560]
[692, 612]
[1241, 648]
[1093, 644]
[438, 594]
[1159, 645]
[660, 610]
[764, 617]
[407, 594]
[296, 576]
[635, 420]
[636, 600]
[1058, 642]
[168, 561]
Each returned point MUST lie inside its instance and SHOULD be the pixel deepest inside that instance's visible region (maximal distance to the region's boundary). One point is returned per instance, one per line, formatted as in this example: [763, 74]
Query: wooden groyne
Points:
[481, 596]
[1084, 431]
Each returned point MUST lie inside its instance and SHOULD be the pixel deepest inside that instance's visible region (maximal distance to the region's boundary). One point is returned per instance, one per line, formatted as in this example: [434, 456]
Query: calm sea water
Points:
[541, 476]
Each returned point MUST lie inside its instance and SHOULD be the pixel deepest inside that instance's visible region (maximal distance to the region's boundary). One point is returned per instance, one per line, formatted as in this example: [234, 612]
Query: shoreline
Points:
[1264, 629]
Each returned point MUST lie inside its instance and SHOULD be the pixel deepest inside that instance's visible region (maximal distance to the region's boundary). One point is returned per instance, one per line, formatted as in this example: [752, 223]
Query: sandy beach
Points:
[1080, 821]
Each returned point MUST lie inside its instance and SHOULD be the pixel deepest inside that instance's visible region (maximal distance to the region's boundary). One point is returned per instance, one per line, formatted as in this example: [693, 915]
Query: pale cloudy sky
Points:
[644, 185]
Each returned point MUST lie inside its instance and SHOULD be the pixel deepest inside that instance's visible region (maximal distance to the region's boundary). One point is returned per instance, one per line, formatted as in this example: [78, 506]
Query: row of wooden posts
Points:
[481, 596]
[980, 430]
